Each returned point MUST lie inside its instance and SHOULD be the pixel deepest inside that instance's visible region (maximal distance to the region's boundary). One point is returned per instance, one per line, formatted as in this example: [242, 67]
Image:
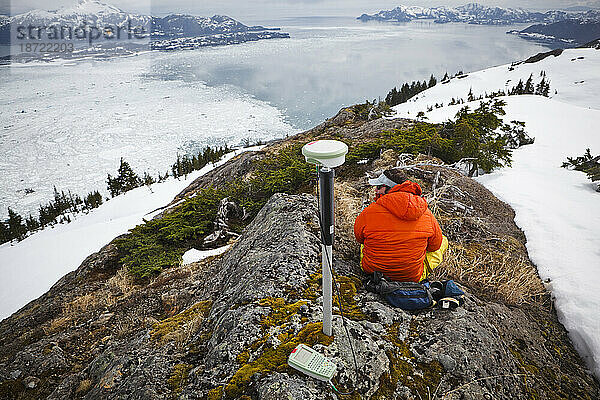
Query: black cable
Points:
[329, 263]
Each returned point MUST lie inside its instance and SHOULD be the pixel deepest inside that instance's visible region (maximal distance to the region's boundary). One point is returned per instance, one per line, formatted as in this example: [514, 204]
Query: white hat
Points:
[382, 180]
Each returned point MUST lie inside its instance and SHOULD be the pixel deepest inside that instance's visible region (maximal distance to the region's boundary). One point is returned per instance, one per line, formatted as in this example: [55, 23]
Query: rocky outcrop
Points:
[594, 44]
[237, 325]
[223, 328]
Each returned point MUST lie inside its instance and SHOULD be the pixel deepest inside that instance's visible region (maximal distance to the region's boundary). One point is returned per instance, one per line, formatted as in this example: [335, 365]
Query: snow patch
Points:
[194, 255]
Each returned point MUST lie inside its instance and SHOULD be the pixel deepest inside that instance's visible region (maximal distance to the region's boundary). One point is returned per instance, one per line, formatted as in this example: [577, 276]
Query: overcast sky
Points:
[278, 8]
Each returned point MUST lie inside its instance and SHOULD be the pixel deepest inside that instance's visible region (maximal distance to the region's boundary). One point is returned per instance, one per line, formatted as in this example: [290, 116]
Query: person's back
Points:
[397, 230]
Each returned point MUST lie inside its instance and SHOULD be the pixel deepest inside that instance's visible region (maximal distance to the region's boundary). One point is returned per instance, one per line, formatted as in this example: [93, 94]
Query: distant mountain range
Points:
[555, 28]
[114, 27]
[474, 13]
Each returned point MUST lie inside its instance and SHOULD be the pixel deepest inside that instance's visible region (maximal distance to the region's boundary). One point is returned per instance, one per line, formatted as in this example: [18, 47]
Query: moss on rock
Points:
[164, 329]
[280, 311]
[348, 289]
[179, 377]
[275, 359]
[215, 394]
[419, 377]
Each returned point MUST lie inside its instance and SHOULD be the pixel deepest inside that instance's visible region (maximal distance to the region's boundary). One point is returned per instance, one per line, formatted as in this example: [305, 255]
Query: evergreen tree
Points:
[32, 223]
[148, 179]
[392, 95]
[43, 216]
[407, 91]
[473, 136]
[125, 180]
[446, 77]
[529, 88]
[518, 89]
[128, 177]
[15, 225]
[539, 89]
[432, 81]
[162, 178]
[92, 200]
[515, 135]
[4, 233]
[587, 163]
[546, 89]
[470, 96]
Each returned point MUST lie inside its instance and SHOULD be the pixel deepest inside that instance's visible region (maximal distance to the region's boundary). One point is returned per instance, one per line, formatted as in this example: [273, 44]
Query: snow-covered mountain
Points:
[557, 209]
[84, 12]
[474, 13]
[98, 14]
[87, 15]
[177, 25]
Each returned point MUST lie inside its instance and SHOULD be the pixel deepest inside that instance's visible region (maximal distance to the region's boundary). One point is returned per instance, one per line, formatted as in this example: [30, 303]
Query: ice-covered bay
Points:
[68, 124]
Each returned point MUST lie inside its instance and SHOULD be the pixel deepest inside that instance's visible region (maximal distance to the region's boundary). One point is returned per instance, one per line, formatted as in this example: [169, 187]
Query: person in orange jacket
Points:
[400, 236]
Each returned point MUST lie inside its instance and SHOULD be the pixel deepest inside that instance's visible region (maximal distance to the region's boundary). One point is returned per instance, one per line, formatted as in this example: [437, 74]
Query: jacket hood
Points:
[404, 201]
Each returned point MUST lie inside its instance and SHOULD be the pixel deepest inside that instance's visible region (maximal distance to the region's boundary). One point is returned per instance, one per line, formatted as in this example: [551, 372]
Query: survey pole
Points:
[326, 154]
[326, 176]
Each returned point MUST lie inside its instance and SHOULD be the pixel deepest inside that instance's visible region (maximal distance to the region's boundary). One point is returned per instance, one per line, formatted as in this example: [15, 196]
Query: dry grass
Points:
[348, 204]
[176, 273]
[122, 281]
[80, 304]
[57, 324]
[84, 386]
[126, 324]
[88, 302]
[388, 159]
[499, 272]
[79, 308]
[180, 328]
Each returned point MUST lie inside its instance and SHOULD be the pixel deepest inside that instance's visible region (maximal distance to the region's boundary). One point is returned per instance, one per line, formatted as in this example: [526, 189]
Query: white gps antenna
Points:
[328, 154]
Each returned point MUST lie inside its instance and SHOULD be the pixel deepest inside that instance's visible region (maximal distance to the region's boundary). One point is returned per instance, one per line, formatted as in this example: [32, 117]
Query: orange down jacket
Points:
[396, 231]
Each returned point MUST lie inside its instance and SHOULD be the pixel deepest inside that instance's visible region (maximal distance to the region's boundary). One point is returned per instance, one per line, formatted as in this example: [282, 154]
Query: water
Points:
[68, 123]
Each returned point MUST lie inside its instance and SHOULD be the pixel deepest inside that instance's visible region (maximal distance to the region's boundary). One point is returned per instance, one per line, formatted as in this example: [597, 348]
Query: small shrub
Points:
[478, 135]
[160, 243]
[586, 163]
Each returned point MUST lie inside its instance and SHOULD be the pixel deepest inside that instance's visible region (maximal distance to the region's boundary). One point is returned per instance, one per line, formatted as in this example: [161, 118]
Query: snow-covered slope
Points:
[574, 78]
[30, 267]
[558, 209]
